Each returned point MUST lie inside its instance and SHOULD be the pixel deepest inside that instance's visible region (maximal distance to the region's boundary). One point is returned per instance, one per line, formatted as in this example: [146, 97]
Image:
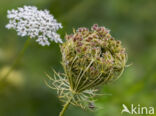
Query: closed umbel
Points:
[92, 57]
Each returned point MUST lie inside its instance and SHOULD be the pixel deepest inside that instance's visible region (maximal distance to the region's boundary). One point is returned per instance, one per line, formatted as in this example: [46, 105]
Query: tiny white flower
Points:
[40, 24]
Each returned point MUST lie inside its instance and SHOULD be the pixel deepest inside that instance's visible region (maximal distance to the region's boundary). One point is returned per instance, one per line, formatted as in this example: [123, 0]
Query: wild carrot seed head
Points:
[92, 57]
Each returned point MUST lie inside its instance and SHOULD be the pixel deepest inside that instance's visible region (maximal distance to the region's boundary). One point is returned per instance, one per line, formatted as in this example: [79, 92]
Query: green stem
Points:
[17, 59]
[65, 107]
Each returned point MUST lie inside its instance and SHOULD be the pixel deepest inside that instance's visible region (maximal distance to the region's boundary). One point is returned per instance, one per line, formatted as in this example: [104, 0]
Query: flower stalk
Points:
[17, 60]
[66, 105]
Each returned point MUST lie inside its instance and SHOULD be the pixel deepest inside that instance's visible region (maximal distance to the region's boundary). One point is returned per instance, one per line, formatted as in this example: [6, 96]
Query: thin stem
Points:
[65, 107]
[17, 59]
[79, 79]
[91, 84]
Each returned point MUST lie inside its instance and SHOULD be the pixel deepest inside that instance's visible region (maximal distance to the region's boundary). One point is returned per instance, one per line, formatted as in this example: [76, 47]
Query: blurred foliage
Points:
[131, 21]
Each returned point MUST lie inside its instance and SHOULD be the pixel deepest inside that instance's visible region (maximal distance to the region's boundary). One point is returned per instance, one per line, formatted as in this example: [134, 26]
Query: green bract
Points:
[91, 58]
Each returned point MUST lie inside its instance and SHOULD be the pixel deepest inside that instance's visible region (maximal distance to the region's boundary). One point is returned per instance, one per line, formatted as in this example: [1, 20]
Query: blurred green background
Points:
[131, 21]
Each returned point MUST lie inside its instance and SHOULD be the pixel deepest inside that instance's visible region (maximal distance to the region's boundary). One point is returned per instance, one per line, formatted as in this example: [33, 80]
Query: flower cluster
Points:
[40, 24]
[90, 58]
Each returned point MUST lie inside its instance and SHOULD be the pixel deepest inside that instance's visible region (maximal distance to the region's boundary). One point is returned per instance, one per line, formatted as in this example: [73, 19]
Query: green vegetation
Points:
[131, 21]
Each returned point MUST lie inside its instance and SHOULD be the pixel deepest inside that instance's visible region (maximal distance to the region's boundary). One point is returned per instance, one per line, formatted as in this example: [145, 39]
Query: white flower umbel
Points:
[40, 24]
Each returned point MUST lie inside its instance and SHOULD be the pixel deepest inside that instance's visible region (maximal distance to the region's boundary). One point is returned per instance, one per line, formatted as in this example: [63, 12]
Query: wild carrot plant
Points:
[90, 58]
[33, 23]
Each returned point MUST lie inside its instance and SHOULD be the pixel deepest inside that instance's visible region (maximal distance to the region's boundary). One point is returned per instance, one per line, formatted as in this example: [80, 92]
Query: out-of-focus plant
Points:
[15, 78]
[34, 23]
[90, 58]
